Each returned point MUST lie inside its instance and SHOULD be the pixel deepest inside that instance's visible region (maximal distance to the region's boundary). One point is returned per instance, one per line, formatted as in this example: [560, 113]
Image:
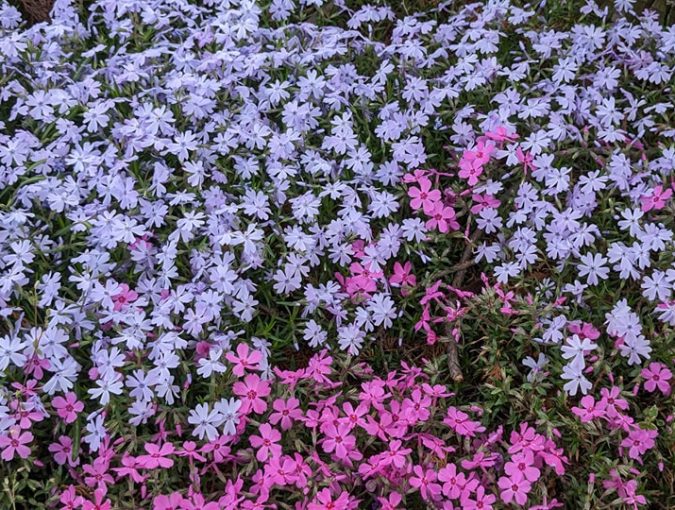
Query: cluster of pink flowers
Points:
[301, 436]
[443, 305]
[440, 214]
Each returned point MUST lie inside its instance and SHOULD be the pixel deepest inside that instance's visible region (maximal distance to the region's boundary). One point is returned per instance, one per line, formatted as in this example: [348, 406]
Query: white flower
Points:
[593, 265]
[382, 310]
[211, 364]
[575, 348]
[228, 412]
[205, 421]
[573, 373]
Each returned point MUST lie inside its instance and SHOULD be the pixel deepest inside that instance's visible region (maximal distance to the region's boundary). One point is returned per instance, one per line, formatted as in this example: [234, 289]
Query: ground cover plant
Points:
[299, 254]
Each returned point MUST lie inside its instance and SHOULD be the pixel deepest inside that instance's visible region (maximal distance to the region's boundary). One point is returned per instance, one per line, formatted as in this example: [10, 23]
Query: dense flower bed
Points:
[335, 255]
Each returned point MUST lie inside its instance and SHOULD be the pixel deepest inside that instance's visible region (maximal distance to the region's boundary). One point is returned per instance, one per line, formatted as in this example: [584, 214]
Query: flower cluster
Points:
[197, 197]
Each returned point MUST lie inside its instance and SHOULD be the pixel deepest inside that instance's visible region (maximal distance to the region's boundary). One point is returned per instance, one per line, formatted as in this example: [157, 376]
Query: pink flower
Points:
[515, 488]
[396, 455]
[424, 197]
[26, 413]
[219, 449]
[585, 330]
[170, 502]
[266, 442]
[589, 410]
[197, 502]
[36, 366]
[15, 443]
[319, 367]
[156, 456]
[99, 503]
[483, 201]
[523, 463]
[425, 481]
[657, 199]
[501, 134]
[69, 499]
[481, 152]
[638, 442]
[354, 417]
[611, 398]
[443, 218]
[124, 297]
[286, 412]
[391, 502]
[470, 170]
[459, 421]
[62, 450]
[281, 470]
[324, 501]
[526, 159]
[190, 450]
[251, 391]
[339, 440]
[482, 501]
[97, 473]
[402, 275]
[416, 408]
[244, 361]
[68, 408]
[129, 468]
[471, 164]
[657, 375]
[454, 482]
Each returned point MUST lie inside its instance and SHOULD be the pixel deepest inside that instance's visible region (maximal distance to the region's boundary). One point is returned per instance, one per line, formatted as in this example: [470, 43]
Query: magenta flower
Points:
[481, 152]
[425, 481]
[590, 410]
[453, 482]
[515, 487]
[502, 134]
[656, 199]
[96, 474]
[69, 499]
[443, 218]
[266, 443]
[402, 275]
[252, 390]
[396, 455]
[526, 159]
[391, 502]
[416, 408]
[470, 170]
[156, 456]
[611, 398]
[99, 502]
[61, 451]
[657, 375]
[124, 297]
[424, 197]
[523, 463]
[459, 421]
[286, 412]
[171, 502]
[339, 440]
[324, 500]
[15, 443]
[68, 408]
[244, 360]
[190, 450]
[638, 442]
[129, 468]
[481, 501]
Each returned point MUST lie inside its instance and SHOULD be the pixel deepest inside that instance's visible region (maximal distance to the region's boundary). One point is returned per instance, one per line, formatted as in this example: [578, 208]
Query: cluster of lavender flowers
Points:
[178, 177]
